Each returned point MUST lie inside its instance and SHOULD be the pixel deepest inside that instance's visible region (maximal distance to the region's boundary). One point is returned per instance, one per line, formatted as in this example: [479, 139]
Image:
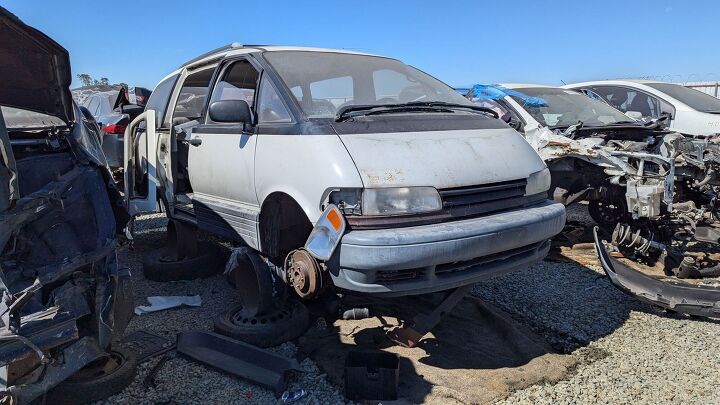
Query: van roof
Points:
[238, 48]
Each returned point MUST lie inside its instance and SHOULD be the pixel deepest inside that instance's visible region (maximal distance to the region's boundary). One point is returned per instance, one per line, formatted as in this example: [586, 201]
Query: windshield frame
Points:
[543, 122]
[296, 106]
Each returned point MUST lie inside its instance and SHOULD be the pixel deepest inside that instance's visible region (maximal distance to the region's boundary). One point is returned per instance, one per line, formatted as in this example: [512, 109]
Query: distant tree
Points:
[104, 80]
[85, 79]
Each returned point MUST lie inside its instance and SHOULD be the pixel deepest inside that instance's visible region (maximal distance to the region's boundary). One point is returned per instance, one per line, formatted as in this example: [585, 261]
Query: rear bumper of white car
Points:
[428, 258]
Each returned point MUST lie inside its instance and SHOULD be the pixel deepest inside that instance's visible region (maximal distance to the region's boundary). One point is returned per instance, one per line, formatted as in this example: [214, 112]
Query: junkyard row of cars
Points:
[332, 170]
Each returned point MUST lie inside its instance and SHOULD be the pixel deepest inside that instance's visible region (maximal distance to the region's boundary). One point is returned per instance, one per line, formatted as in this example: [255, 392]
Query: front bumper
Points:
[428, 258]
[680, 297]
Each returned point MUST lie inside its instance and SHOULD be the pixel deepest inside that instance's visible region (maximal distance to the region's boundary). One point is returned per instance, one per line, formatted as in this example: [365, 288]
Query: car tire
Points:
[85, 386]
[210, 260]
[277, 327]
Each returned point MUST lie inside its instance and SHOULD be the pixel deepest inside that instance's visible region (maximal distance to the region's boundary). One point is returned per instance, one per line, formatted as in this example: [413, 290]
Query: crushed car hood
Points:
[40, 69]
[416, 158]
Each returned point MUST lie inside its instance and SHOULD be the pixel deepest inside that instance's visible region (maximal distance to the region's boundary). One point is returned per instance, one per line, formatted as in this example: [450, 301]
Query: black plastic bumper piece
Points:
[697, 300]
[242, 359]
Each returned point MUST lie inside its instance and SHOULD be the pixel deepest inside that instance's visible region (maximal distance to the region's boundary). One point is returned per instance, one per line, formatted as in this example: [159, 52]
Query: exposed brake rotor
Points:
[304, 273]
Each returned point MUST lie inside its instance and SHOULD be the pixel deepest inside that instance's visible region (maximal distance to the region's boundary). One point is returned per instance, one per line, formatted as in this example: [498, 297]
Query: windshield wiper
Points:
[431, 106]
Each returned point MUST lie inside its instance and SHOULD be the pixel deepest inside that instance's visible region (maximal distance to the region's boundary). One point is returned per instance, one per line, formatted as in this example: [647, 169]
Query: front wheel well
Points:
[283, 225]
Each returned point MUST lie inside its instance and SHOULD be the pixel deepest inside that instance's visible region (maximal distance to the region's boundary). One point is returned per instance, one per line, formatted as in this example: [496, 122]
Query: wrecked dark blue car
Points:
[62, 296]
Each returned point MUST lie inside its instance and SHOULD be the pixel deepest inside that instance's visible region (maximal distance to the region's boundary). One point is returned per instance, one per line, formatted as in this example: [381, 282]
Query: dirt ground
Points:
[477, 354]
[558, 332]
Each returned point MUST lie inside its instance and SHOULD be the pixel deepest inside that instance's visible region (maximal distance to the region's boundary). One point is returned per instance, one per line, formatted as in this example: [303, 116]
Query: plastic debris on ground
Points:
[167, 302]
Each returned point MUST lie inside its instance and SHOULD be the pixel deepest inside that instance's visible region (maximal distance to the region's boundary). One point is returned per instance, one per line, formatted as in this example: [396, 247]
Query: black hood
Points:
[35, 70]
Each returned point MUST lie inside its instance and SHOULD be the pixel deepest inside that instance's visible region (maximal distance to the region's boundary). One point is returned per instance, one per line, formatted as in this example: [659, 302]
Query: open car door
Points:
[141, 182]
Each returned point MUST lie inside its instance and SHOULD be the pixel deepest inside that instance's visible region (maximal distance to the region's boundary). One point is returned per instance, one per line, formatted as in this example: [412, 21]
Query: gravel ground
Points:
[181, 380]
[629, 352]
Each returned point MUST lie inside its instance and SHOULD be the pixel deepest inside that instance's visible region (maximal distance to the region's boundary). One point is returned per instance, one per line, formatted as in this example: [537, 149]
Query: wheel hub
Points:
[303, 273]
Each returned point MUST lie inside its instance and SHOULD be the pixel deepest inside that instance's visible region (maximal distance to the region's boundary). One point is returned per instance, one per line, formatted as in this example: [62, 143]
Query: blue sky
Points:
[460, 42]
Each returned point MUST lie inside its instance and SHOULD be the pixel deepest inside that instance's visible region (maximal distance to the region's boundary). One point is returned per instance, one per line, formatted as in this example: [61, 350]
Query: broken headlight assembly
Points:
[538, 182]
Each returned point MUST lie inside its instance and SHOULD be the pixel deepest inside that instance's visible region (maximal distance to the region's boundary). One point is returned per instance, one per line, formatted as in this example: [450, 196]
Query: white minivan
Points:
[690, 111]
[360, 167]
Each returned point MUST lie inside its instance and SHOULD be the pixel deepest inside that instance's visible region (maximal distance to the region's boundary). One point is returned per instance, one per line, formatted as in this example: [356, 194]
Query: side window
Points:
[160, 98]
[193, 93]
[627, 99]
[270, 107]
[238, 82]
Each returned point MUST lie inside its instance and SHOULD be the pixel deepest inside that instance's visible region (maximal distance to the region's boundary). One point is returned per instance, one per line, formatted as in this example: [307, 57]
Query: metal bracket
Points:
[409, 336]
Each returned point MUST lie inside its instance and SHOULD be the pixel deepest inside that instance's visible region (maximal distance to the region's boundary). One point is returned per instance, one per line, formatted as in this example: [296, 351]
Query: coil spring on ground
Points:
[623, 236]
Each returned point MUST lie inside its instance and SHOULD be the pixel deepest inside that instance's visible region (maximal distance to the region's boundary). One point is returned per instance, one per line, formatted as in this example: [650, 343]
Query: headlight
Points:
[400, 200]
[538, 182]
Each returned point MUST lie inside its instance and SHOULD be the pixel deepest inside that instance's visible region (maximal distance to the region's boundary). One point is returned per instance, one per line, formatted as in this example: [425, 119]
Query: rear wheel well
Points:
[283, 225]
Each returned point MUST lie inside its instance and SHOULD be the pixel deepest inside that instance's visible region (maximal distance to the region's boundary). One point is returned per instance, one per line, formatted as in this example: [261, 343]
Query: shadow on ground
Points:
[477, 354]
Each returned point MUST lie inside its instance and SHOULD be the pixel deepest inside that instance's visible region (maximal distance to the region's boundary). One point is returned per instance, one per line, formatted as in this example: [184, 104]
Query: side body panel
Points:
[221, 170]
[305, 167]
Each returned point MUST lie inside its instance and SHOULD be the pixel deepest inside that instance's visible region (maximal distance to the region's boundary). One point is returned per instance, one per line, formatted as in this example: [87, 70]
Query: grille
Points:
[385, 276]
[484, 260]
[388, 276]
[483, 194]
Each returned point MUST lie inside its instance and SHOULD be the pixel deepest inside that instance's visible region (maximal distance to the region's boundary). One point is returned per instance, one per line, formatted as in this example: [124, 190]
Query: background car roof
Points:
[522, 85]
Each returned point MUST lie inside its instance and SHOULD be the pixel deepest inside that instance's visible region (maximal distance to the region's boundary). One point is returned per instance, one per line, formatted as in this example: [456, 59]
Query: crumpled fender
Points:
[680, 297]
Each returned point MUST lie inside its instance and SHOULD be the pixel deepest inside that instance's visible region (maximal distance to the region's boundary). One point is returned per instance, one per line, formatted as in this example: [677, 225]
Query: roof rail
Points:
[229, 47]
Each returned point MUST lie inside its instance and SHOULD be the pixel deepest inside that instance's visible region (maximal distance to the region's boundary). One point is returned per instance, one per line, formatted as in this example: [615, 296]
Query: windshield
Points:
[697, 100]
[556, 108]
[324, 82]
[18, 118]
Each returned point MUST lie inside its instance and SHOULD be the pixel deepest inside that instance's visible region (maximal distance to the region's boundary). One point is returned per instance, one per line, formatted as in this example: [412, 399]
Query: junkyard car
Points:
[654, 191]
[688, 111]
[63, 296]
[355, 166]
[113, 110]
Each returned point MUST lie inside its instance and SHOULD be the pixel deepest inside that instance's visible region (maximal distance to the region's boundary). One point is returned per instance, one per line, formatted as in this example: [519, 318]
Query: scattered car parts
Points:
[166, 302]
[653, 191]
[410, 335]
[698, 300]
[371, 376]
[146, 345]
[239, 358]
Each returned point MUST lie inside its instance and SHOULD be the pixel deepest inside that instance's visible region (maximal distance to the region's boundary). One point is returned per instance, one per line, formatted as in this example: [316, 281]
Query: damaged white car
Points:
[63, 296]
[652, 191]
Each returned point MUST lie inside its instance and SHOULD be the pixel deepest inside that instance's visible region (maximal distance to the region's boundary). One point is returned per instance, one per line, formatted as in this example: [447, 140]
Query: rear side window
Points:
[160, 98]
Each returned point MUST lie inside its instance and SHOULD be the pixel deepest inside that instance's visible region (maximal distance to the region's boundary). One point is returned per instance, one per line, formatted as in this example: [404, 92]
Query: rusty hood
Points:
[39, 68]
[442, 159]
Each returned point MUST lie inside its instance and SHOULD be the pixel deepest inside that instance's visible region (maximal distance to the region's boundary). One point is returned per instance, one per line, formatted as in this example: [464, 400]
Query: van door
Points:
[140, 158]
[147, 157]
[221, 161]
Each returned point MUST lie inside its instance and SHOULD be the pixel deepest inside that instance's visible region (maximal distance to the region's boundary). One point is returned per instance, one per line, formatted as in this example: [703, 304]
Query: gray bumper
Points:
[421, 259]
